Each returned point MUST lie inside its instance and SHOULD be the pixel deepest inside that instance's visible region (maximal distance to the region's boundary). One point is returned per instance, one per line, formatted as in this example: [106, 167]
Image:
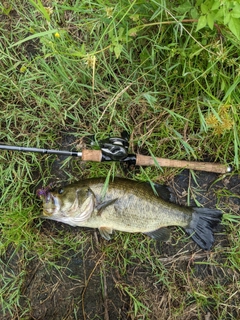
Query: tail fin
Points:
[201, 226]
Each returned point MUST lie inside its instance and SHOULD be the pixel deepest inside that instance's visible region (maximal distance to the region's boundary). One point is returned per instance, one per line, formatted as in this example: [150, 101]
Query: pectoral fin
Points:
[101, 206]
[105, 232]
[161, 234]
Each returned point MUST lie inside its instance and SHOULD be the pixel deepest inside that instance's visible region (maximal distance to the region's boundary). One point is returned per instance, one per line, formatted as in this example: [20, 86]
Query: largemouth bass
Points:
[129, 206]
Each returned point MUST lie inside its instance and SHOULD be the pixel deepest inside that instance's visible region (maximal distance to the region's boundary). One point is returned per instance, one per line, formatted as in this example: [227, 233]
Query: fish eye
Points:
[60, 191]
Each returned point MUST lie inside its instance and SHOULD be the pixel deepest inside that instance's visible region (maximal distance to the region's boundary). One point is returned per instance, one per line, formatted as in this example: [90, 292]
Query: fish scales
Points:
[127, 205]
[136, 209]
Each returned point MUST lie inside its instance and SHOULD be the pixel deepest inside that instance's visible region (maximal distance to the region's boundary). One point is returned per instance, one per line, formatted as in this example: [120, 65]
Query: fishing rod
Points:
[116, 149]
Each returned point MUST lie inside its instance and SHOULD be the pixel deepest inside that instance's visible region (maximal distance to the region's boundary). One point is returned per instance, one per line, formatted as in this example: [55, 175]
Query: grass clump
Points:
[166, 73]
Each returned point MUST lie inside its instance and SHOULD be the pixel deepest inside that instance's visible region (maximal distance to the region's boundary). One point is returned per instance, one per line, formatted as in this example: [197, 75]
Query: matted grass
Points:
[69, 69]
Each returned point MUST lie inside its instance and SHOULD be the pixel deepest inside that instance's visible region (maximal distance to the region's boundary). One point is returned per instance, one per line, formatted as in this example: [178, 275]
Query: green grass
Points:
[86, 68]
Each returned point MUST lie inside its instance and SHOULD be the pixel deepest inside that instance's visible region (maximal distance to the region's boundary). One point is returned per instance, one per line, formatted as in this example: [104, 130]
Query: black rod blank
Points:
[38, 150]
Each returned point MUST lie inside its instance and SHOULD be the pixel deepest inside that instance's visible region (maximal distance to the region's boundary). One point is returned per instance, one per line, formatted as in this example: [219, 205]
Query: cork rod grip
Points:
[194, 165]
[91, 155]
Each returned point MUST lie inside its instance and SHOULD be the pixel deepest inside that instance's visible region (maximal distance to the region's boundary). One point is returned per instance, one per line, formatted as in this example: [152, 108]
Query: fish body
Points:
[129, 206]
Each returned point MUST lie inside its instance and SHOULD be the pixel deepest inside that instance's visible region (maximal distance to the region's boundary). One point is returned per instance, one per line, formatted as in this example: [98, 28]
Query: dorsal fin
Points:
[160, 190]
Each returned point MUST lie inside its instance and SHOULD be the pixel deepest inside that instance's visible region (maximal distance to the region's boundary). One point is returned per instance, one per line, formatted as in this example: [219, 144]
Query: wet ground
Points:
[84, 286]
[81, 284]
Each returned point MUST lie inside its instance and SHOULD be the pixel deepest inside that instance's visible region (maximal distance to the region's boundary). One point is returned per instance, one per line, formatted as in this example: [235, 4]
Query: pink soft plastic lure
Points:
[44, 192]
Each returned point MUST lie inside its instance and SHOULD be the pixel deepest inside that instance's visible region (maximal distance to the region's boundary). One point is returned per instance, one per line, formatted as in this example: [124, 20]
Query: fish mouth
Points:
[51, 204]
[75, 207]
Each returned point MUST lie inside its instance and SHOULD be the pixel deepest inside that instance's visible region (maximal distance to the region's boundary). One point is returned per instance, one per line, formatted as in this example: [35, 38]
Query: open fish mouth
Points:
[51, 203]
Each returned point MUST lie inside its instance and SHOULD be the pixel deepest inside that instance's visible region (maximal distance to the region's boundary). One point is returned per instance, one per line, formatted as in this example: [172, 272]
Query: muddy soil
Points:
[79, 285]
[83, 287]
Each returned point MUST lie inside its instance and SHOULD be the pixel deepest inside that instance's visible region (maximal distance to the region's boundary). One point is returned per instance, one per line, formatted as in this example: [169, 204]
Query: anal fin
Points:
[161, 234]
[105, 232]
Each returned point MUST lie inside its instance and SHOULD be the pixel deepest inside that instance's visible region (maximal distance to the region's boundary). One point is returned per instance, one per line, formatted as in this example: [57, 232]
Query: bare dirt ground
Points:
[85, 287]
